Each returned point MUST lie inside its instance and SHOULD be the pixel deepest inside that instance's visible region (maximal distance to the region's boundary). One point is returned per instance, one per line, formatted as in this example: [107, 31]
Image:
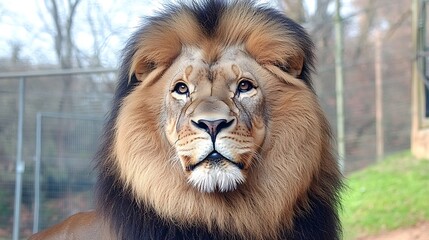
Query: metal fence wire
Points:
[64, 143]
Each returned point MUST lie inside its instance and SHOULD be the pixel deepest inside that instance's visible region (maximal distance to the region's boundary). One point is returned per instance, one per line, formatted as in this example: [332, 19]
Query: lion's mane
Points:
[292, 193]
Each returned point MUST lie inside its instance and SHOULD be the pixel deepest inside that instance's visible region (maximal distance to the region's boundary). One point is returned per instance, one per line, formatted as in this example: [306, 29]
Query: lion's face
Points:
[215, 118]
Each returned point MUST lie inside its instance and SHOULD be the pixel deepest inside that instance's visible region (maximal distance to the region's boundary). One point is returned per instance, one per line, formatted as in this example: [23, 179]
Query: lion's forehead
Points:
[231, 64]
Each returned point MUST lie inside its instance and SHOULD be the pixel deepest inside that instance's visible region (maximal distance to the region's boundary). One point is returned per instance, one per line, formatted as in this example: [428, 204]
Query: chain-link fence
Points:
[50, 123]
[64, 144]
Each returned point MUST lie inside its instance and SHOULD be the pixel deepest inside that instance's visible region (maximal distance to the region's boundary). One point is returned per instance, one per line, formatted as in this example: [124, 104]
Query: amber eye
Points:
[181, 88]
[245, 86]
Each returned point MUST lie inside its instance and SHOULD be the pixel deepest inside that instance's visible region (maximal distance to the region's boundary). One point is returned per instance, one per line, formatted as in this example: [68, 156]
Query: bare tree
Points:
[63, 18]
[366, 23]
[294, 9]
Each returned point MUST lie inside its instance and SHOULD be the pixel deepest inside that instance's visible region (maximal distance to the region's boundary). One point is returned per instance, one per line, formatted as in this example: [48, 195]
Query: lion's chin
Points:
[221, 178]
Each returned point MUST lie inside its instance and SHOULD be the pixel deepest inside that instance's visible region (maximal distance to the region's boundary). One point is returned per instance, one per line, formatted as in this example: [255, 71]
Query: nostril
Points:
[213, 127]
[224, 124]
[201, 125]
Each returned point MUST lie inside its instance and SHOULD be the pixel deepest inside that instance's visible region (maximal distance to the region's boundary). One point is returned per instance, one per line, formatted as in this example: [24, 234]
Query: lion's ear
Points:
[152, 52]
[147, 71]
[293, 65]
[160, 43]
[141, 69]
[156, 46]
[281, 50]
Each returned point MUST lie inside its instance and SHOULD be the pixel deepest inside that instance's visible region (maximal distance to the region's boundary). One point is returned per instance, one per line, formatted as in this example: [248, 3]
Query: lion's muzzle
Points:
[209, 146]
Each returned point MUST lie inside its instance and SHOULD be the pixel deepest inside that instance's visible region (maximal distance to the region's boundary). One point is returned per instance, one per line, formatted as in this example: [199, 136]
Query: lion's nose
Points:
[212, 127]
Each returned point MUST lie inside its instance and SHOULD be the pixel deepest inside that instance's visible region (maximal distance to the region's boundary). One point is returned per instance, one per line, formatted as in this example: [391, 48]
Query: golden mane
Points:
[297, 150]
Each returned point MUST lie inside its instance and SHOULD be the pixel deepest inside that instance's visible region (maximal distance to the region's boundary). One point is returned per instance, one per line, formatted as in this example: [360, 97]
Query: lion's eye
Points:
[245, 86]
[181, 88]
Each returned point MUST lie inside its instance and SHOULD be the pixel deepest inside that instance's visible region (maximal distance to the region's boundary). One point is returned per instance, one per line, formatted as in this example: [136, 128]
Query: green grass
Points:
[389, 195]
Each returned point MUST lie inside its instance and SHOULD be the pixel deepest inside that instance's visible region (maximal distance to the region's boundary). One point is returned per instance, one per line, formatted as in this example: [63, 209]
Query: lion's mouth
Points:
[215, 158]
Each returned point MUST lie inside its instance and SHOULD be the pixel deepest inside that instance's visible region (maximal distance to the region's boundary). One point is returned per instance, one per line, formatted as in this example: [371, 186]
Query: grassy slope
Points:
[391, 194]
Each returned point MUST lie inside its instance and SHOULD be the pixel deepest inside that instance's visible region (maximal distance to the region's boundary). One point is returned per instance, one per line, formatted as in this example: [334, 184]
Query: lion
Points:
[215, 132]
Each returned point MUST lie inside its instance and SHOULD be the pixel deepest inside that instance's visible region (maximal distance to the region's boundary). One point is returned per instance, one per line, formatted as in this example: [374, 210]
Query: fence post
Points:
[36, 211]
[20, 165]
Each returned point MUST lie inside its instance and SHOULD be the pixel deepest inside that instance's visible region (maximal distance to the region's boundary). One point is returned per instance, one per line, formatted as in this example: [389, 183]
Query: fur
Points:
[290, 192]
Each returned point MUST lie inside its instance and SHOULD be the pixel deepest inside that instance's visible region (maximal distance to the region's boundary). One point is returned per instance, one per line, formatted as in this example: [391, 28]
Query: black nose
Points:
[212, 127]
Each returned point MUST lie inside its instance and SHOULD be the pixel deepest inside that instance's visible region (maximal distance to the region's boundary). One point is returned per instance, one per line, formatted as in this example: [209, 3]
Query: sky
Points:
[24, 26]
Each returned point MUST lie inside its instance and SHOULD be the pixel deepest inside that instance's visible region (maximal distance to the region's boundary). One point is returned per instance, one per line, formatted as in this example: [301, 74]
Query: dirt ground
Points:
[418, 232]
